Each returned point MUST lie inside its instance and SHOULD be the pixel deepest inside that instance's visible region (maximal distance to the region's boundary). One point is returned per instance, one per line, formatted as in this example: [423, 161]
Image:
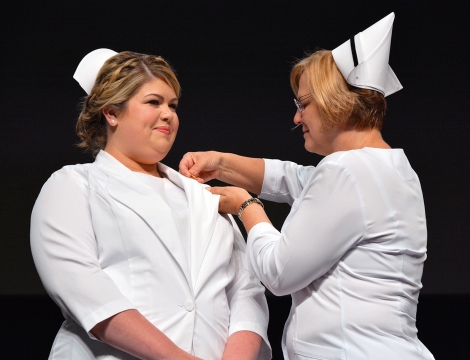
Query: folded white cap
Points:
[90, 66]
[363, 60]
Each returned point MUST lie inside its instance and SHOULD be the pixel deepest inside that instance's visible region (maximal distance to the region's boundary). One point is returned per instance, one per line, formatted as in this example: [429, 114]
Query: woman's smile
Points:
[163, 129]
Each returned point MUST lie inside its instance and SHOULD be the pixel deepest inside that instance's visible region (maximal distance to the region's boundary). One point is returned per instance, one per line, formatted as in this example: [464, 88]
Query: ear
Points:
[110, 116]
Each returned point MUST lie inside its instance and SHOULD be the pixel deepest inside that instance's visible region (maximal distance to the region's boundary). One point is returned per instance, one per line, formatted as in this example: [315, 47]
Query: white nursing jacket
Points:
[103, 241]
[350, 253]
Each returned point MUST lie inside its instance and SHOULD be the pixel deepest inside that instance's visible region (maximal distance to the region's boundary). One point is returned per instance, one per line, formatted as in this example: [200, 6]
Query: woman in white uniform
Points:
[351, 251]
[137, 256]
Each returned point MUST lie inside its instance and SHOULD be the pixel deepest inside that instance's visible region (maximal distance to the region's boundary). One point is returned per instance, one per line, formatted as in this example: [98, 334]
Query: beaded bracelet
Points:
[246, 203]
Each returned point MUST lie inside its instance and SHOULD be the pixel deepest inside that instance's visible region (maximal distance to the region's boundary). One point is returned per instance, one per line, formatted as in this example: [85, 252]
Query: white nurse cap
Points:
[363, 60]
[90, 66]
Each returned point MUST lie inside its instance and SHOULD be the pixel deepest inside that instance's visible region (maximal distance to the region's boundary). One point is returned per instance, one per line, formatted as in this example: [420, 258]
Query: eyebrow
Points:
[159, 96]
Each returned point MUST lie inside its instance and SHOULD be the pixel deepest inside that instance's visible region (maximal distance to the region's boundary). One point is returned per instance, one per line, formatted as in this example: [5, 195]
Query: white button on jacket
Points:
[103, 242]
[189, 306]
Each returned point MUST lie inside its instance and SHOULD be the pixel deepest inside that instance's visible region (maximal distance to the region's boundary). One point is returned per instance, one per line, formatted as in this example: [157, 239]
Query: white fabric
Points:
[350, 253]
[373, 52]
[90, 66]
[103, 242]
[178, 203]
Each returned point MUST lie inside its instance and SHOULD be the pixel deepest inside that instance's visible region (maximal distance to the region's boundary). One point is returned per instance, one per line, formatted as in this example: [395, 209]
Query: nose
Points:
[298, 117]
[167, 113]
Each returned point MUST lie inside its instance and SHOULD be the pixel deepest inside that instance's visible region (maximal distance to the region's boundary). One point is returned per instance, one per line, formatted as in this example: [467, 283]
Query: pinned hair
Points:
[120, 78]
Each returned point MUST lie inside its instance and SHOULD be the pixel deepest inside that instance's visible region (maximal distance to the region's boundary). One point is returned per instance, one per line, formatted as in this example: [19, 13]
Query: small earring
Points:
[112, 121]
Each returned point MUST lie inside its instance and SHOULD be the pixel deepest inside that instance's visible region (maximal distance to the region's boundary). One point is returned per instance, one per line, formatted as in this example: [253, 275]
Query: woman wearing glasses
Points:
[351, 251]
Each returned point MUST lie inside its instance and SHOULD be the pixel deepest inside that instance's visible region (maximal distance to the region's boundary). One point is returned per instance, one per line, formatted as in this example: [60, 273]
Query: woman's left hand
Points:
[231, 198]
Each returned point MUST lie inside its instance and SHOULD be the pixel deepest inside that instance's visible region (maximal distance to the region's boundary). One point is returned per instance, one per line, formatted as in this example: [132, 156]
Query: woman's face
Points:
[144, 133]
[317, 139]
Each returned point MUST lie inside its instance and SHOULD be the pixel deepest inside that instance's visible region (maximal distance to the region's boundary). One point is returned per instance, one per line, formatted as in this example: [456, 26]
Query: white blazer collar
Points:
[127, 188]
[203, 209]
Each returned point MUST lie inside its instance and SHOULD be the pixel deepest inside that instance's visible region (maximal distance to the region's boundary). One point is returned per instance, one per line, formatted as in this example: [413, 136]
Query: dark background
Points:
[233, 61]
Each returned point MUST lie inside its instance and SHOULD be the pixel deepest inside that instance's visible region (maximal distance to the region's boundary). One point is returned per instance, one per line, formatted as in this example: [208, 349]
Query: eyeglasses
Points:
[301, 107]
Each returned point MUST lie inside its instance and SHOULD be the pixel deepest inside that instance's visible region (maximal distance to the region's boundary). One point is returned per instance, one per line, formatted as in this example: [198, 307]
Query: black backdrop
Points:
[233, 61]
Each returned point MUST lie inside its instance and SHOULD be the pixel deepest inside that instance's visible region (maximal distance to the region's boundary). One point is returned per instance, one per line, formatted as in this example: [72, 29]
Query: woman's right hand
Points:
[202, 165]
[240, 171]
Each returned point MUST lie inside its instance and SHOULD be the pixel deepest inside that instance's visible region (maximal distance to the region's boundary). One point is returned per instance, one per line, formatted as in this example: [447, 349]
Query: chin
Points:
[309, 148]
[160, 157]
[313, 150]
[154, 156]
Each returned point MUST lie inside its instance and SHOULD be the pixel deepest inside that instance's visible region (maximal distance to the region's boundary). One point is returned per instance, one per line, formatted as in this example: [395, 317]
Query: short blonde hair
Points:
[118, 80]
[338, 102]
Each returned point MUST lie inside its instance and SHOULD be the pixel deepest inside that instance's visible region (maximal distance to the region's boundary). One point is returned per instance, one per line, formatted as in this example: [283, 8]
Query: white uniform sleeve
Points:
[323, 225]
[65, 252]
[245, 294]
[284, 180]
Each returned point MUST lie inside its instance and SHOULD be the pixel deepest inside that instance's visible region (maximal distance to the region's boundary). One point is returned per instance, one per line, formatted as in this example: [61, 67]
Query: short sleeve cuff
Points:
[256, 232]
[105, 312]
[269, 180]
[265, 352]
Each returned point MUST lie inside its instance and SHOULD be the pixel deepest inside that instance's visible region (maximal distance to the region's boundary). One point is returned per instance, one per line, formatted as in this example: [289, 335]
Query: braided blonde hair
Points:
[118, 80]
